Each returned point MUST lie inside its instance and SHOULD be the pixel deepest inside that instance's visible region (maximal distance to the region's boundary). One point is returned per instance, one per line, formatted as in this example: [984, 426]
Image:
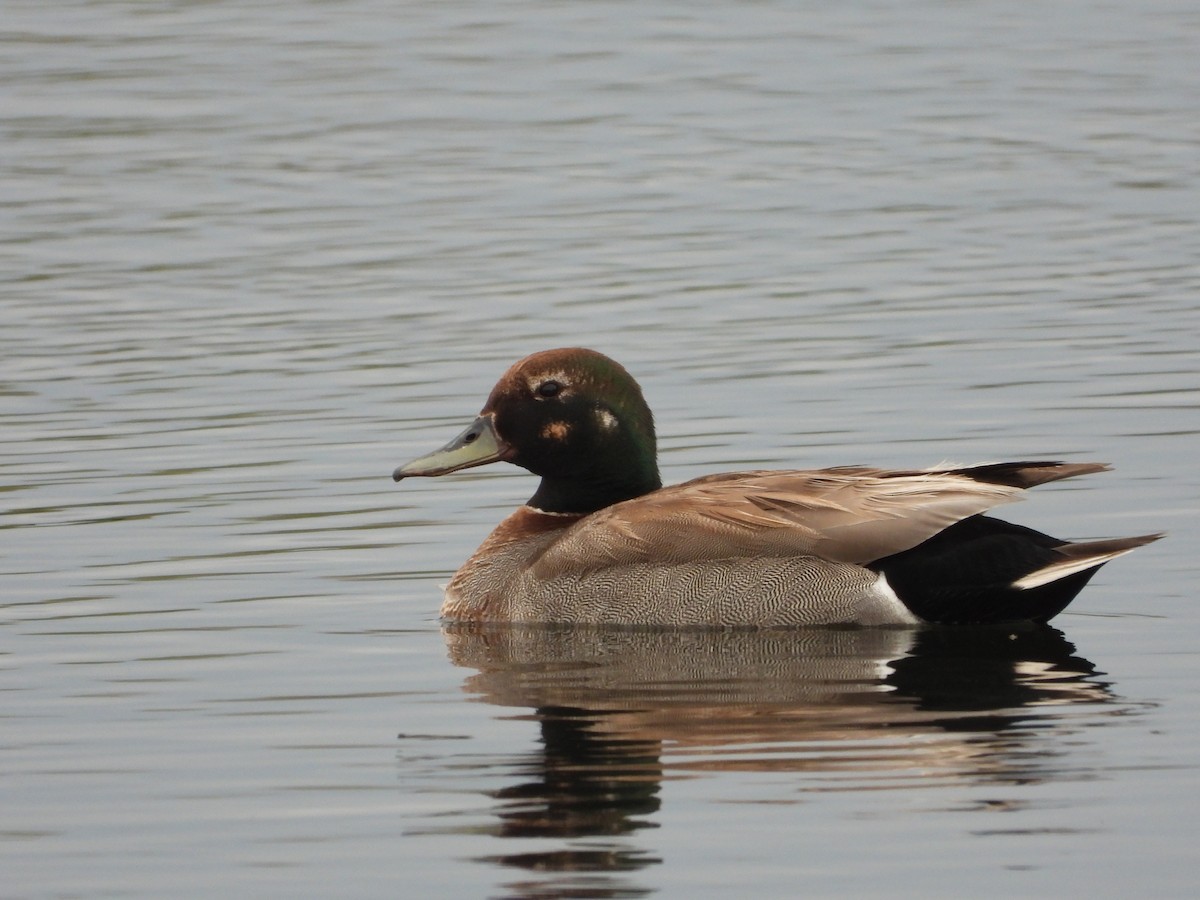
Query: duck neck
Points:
[581, 497]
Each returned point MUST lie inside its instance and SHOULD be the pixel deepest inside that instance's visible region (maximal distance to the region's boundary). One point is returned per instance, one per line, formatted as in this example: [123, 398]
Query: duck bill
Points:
[478, 445]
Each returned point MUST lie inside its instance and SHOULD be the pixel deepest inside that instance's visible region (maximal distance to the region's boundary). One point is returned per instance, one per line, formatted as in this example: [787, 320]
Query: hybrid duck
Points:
[601, 541]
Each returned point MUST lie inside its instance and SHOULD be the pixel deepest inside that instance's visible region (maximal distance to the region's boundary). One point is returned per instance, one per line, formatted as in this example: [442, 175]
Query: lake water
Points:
[256, 255]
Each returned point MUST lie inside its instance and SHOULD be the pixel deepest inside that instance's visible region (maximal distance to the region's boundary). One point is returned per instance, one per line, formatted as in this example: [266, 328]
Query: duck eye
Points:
[548, 388]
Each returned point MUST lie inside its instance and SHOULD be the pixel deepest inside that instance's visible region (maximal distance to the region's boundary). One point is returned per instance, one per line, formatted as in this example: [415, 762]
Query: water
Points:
[255, 257]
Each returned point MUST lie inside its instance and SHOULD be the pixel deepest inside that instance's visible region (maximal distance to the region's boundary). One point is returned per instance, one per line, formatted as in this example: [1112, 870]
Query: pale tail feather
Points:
[1080, 557]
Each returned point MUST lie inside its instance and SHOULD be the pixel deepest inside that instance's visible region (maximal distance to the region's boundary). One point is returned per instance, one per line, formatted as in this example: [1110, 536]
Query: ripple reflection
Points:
[622, 710]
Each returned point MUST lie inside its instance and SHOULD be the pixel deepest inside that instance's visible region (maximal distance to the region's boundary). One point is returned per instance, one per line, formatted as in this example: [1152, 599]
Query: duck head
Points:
[572, 416]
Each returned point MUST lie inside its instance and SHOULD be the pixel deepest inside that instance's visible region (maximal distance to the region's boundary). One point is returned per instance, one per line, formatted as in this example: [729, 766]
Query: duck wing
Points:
[848, 514]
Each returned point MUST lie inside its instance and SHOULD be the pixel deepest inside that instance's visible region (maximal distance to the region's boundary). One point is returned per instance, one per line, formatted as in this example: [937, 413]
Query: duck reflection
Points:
[620, 710]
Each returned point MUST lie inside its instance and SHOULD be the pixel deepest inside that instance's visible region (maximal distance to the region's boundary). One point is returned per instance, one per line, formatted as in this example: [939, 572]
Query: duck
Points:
[603, 542]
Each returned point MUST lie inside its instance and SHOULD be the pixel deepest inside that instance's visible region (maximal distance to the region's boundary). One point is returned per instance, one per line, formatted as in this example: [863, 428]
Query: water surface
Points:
[253, 258]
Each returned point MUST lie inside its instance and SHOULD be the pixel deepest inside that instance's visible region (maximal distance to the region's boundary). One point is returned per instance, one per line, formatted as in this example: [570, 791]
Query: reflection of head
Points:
[589, 782]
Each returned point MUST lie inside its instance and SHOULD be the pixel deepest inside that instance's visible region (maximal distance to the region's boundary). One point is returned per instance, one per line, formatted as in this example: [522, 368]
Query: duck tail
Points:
[1081, 556]
[987, 571]
[1045, 591]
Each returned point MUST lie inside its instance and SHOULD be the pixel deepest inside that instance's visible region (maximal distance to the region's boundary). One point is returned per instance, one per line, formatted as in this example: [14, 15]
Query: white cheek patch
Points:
[606, 419]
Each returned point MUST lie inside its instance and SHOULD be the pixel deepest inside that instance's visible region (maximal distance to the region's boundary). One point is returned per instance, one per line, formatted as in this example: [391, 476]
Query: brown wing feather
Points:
[845, 514]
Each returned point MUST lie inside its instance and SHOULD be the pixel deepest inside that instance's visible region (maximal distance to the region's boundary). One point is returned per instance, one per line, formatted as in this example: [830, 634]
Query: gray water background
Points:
[255, 255]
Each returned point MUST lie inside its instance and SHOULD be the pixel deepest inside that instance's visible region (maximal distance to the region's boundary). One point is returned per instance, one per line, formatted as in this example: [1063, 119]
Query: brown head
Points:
[573, 416]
